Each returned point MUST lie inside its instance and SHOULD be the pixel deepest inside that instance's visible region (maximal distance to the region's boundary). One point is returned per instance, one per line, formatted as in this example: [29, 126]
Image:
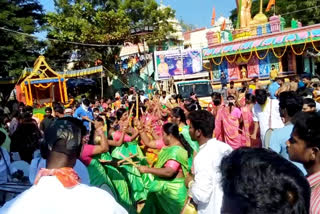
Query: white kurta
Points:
[262, 115]
[206, 190]
[49, 196]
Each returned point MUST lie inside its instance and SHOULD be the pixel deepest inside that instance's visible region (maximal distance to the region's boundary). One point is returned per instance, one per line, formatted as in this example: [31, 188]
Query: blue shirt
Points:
[223, 81]
[273, 89]
[278, 140]
[80, 112]
[300, 84]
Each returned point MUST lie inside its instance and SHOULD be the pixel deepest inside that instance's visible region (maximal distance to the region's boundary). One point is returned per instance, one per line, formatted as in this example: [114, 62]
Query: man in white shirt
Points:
[265, 114]
[142, 96]
[204, 185]
[57, 188]
[164, 98]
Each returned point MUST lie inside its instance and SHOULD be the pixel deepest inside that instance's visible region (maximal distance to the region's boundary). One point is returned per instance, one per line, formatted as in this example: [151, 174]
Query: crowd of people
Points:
[132, 63]
[252, 150]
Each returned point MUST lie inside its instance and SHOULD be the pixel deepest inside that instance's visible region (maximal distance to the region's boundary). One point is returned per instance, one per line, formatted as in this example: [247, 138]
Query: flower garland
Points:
[243, 58]
[281, 55]
[206, 67]
[299, 54]
[231, 61]
[314, 46]
[266, 54]
[217, 63]
[42, 86]
[258, 56]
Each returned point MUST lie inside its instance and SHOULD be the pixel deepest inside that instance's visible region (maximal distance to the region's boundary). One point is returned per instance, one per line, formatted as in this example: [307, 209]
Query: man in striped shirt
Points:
[304, 147]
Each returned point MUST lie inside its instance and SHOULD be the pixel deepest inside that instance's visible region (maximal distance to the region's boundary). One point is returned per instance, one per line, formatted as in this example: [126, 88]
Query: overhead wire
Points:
[57, 40]
[297, 11]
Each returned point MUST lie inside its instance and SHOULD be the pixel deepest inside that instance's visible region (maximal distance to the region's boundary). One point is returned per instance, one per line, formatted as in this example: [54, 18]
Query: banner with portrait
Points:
[177, 63]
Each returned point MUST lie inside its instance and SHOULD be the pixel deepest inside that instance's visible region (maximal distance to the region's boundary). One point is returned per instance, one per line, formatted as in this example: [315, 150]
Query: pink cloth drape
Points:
[227, 128]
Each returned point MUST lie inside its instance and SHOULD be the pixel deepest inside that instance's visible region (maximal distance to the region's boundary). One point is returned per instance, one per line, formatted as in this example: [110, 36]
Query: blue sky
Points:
[196, 12]
[199, 12]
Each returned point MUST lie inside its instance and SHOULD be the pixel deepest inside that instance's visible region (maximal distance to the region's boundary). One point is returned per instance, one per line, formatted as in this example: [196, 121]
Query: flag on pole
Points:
[223, 26]
[270, 4]
[213, 17]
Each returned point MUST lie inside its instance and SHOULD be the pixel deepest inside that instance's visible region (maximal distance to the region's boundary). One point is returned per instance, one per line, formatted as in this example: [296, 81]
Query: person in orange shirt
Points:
[117, 103]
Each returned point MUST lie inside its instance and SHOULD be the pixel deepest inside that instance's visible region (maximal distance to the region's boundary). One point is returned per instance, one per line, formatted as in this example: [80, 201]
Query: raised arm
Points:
[120, 141]
[134, 133]
[104, 146]
[144, 137]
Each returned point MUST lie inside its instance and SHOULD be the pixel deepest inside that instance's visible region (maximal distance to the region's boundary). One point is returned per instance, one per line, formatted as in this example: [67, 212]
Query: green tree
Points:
[307, 11]
[16, 50]
[187, 27]
[105, 22]
[95, 22]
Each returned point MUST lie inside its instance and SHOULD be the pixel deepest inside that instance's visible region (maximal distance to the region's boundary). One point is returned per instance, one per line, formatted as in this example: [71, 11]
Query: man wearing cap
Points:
[57, 188]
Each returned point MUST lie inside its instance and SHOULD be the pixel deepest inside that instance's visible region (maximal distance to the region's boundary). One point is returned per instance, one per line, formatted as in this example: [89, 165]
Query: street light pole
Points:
[101, 76]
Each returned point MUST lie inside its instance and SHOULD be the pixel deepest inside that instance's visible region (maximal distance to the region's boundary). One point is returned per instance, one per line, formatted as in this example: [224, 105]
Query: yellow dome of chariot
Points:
[260, 19]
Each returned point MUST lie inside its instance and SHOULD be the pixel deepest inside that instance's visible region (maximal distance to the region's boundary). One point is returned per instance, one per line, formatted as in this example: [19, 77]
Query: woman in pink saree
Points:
[248, 124]
[227, 125]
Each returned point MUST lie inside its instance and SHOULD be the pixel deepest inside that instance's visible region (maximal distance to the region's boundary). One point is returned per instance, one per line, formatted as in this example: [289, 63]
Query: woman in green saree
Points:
[178, 117]
[129, 146]
[167, 193]
[97, 174]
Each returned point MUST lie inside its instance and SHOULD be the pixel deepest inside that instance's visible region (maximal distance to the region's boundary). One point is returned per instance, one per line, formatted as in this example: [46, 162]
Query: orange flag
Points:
[223, 26]
[213, 17]
[271, 3]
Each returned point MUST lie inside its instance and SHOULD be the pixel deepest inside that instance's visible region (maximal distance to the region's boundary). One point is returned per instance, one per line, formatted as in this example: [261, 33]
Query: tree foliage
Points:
[18, 51]
[187, 27]
[105, 22]
[306, 11]
[85, 22]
